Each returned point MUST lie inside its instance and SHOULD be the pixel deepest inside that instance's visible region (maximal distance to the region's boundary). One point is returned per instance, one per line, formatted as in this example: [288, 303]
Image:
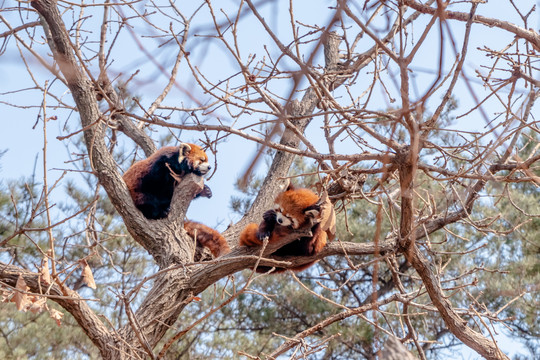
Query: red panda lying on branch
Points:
[293, 209]
[151, 183]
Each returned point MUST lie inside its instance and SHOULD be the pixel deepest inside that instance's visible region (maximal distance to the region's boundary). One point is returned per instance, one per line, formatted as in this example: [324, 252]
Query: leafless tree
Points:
[355, 82]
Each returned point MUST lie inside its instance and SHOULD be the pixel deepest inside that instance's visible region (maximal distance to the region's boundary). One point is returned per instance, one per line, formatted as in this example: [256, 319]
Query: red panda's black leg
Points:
[153, 207]
[267, 225]
[205, 192]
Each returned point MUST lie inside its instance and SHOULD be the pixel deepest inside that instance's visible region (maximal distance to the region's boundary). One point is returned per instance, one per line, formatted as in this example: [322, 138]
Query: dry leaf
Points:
[37, 304]
[328, 216]
[44, 272]
[88, 278]
[6, 295]
[57, 316]
[21, 299]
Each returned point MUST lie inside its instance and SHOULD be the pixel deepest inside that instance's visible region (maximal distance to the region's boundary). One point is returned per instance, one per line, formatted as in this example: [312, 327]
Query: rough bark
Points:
[394, 350]
[165, 240]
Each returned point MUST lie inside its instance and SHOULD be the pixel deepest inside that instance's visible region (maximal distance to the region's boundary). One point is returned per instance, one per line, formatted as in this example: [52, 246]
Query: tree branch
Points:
[455, 323]
[529, 35]
[68, 299]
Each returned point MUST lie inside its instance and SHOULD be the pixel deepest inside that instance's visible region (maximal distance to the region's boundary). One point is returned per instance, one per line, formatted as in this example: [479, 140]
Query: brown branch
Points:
[68, 299]
[274, 145]
[166, 240]
[289, 344]
[457, 72]
[19, 28]
[529, 35]
[179, 278]
[298, 111]
[455, 323]
[168, 249]
[136, 134]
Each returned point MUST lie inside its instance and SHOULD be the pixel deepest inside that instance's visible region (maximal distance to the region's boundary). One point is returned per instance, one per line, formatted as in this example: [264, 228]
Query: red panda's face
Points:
[285, 219]
[195, 157]
[292, 207]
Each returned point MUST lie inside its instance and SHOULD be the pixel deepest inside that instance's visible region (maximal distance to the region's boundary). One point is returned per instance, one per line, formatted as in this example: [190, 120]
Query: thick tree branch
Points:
[124, 123]
[144, 231]
[179, 278]
[166, 240]
[422, 265]
[71, 301]
[455, 323]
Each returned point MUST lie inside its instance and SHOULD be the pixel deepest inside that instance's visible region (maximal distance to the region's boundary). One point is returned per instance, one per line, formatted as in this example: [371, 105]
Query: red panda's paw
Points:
[267, 226]
[205, 192]
[248, 236]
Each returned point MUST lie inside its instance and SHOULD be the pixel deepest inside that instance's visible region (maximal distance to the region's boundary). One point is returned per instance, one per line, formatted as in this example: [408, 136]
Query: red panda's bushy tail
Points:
[248, 236]
[207, 237]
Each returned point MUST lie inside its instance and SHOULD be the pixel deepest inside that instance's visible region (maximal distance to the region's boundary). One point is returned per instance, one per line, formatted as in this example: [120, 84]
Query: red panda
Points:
[292, 210]
[151, 185]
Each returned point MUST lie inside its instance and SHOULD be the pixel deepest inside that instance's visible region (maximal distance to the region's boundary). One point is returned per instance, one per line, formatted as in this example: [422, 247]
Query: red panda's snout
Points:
[202, 168]
[197, 167]
[285, 220]
[282, 219]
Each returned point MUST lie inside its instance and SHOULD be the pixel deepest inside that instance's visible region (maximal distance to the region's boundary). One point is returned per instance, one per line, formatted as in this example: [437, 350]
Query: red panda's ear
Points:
[313, 211]
[184, 149]
[290, 186]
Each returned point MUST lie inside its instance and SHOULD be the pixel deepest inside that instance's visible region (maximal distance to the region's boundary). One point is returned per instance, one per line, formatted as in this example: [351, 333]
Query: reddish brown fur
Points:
[293, 203]
[196, 156]
[142, 168]
[207, 237]
[248, 236]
